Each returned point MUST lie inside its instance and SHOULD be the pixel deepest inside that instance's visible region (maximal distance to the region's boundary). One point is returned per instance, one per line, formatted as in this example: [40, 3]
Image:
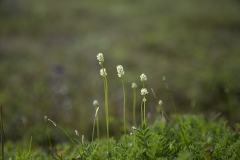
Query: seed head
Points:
[103, 72]
[120, 70]
[144, 91]
[100, 58]
[143, 77]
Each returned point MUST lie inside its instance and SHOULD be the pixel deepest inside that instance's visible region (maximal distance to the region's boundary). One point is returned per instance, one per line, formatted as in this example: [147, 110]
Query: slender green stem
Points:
[106, 104]
[70, 139]
[124, 108]
[144, 110]
[134, 107]
[181, 127]
[164, 113]
[93, 129]
[48, 135]
[174, 106]
[106, 108]
[97, 127]
[49, 139]
[142, 113]
[231, 108]
[56, 125]
[134, 138]
[162, 124]
[29, 149]
[94, 122]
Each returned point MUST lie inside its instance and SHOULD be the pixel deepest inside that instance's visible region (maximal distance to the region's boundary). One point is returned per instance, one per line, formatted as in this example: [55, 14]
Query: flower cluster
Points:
[103, 72]
[144, 91]
[100, 58]
[120, 71]
[144, 100]
[134, 85]
[143, 77]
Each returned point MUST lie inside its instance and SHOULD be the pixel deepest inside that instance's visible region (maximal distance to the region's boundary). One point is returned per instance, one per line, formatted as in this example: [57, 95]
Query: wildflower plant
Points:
[103, 73]
[121, 72]
[143, 92]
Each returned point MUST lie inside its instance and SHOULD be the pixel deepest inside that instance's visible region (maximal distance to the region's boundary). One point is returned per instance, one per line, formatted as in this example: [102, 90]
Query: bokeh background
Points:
[48, 62]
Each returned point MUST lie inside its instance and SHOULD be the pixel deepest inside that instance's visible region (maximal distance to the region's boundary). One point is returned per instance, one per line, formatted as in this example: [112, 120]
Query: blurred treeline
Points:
[48, 62]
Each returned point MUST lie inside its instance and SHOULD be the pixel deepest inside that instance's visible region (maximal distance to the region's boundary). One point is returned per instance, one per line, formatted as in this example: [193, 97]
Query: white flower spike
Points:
[143, 77]
[103, 72]
[100, 58]
[144, 91]
[120, 70]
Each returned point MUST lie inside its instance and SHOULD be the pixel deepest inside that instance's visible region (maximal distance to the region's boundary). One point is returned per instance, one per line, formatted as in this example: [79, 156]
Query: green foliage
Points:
[145, 143]
[26, 153]
[206, 139]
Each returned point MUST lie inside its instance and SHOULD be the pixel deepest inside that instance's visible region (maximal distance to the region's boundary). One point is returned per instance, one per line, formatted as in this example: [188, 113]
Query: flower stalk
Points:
[121, 72]
[94, 122]
[103, 73]
[143, 92]
[134, 86]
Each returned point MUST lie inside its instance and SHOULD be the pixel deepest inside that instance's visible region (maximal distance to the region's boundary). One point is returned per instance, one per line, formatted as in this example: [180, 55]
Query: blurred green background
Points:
[48, 62]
